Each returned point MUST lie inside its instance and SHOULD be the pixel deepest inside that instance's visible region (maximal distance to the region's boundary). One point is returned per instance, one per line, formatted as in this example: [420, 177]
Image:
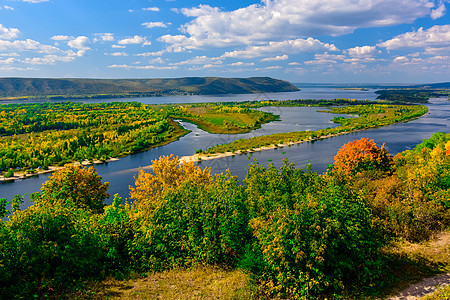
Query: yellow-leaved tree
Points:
[168, 173]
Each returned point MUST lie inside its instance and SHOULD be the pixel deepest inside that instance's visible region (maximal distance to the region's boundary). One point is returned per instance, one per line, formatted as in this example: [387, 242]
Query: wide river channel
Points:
[397, 138]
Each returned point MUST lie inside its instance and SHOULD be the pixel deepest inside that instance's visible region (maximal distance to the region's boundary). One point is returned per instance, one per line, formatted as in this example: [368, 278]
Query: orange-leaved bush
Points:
[361, 155]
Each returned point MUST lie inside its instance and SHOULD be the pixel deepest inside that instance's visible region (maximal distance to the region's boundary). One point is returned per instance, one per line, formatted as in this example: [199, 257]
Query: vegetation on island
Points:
[300, 235]
[34, 137]
[413, 95]
[369, 116]
[223, 118]
[70, 88]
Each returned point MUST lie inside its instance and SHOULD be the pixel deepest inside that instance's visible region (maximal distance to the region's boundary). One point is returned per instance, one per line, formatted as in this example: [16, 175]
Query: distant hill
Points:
[442, 85]
[87, 88]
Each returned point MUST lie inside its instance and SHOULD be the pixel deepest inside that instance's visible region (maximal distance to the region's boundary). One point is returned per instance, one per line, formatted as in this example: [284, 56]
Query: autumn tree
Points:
[361, 155]
[168, 172]
[74, 186]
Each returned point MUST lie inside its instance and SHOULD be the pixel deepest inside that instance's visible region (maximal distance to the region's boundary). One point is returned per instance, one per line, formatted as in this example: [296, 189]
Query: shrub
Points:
[315, 238]
[195, 224]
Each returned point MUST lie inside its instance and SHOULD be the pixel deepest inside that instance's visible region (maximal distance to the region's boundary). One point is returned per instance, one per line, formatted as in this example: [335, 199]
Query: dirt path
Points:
[436, 250]
[425, 287]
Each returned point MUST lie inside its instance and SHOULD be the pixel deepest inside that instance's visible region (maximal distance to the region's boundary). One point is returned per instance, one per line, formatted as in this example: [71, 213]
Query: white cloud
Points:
[80, 43]
[269, 68]
[50, 59]
[241, 64]
[158, 60]
[276, 58]
[364, 51]
[438, 12]
[155, 24]
[61, 38]
[8, 60]
[156, 53]
[289, 46]
[8, 33]
[151, 9]
[27, 45]
[6, 7]
[144, 67]
[35, 1]
[118, 46]
[201, 60]
[117, 54]
[135, 40]
[105, 37]
[276, 20]
[434, 37]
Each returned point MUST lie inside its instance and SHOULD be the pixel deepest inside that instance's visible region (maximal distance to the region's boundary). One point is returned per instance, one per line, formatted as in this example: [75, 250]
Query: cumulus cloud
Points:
[434, 37]
[276, 58]
[438, 12]
[241, 64]
[289, 46]
[35, 1]
[276, 20]
[105, 37]
[364, 51]
[51, 59]
[8, 60]
[150, 67]
[27, 45]
[61, 38]
[117, 54]
[155, 24]
[151, 9]
[156, 53]
[134, 40]
[8, 33]
[201, 60]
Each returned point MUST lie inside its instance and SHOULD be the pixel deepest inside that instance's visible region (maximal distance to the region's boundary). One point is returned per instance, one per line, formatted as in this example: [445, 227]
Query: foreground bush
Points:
[314, 238]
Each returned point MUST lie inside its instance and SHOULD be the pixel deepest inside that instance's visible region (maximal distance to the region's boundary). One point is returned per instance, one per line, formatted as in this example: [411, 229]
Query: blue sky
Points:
[337, 41]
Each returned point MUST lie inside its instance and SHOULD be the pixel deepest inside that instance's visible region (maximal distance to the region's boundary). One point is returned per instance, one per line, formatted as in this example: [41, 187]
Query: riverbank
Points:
[208, 156]
[178, 132]
[24, 174]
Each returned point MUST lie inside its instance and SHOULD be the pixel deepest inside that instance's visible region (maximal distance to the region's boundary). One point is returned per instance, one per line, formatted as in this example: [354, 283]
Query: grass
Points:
[412, 262]
[440, 294]
[215, 118]
[196, 283]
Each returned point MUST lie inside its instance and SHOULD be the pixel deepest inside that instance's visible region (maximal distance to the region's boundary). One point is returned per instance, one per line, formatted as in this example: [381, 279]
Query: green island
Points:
[369, 116]
[366, 229]
[35, 138]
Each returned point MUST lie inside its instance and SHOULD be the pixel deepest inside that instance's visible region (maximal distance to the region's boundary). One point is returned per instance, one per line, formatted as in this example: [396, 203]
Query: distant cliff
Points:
[100, 88]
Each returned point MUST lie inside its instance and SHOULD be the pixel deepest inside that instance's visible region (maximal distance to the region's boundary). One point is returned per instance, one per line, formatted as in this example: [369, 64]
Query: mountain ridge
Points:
[84, 87]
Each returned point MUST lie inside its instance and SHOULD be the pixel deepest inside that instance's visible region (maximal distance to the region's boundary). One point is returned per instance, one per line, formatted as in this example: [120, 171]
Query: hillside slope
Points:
[44, 87]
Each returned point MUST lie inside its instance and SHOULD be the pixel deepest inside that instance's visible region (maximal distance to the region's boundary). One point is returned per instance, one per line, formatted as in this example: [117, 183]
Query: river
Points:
[397, 137]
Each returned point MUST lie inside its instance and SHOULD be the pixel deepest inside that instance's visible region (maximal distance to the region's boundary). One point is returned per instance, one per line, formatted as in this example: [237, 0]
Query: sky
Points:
[304, 41]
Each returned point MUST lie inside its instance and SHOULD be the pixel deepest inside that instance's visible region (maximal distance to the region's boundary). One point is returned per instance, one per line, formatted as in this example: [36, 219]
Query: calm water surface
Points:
[398, 137]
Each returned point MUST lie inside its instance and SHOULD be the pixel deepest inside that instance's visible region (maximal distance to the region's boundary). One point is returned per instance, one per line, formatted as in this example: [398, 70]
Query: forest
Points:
[298, 234]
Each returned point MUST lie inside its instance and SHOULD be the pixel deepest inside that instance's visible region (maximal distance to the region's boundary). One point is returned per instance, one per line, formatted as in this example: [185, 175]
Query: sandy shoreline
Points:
[204, 156]
[51, 169]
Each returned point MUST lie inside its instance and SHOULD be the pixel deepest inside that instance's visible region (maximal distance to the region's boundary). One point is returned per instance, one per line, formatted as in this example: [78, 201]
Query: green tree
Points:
[76, 186]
